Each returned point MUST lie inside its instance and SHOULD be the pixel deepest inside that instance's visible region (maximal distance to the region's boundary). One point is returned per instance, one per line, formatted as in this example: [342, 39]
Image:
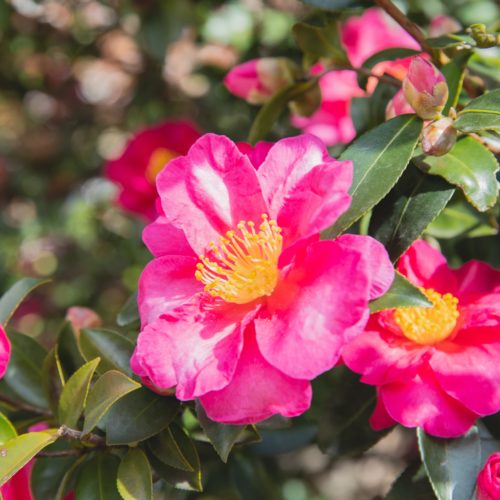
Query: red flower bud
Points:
[488, 480]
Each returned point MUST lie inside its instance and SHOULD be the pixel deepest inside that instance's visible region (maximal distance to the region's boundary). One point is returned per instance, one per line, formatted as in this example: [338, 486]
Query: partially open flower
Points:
[488, 480]
[439, 137]
[425, 89]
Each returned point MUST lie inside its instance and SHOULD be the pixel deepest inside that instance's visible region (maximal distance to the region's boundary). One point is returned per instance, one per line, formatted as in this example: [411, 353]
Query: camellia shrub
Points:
[247, 244]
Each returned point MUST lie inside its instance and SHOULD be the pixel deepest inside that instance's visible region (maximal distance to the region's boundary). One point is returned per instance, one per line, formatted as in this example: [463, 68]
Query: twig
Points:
[405, 23]
[74, 435]
[64, 453]
[24, 406]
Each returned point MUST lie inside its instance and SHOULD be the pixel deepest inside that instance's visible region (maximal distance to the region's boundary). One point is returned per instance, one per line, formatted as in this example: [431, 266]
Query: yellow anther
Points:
[244, 266]
[158, 159]
[429, 325]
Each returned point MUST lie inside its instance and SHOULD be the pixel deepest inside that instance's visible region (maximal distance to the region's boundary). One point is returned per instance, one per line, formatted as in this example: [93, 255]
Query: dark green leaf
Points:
[138, 416]
[171, 447]
[108, 389]
[451, 40]
[134, 476]
[222, 436]
[335, 5]
[272, 110]
[24, 373]
[278, 441]
[379, 157]
[97, 479]
[412, 484]
[69, 353]
[452, 465]
[7, 430]
[68, 479]
[74, 394]
[181, 479]
[114, 349]
[402, 216]
[472, 168]
[483, 113]
[454, 72]
[52, 378]
[129, 313]
[18, 451]
[401, 294]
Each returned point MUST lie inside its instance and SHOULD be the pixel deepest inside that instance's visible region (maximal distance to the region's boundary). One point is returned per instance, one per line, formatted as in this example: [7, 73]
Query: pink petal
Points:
[477, 277]
[483, 311]
[209, 191]
[425, 266]
[380, 419]
[302, 329]
[256, 154]
[165, 283]
[257, 391]
[163, 238]
[470, 372]
[5, 349]
[18, 486]
[422, 403]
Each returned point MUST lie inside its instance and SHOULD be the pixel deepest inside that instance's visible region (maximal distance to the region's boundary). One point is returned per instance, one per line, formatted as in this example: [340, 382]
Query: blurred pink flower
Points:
[488, 480]
[442, 25]
[144, 156]
[243, 305]
[435, 368]
[398, 105]
[83, 317]
[4, 351]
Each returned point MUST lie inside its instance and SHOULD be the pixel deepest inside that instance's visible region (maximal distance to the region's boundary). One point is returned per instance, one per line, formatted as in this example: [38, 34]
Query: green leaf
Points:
[108, 389]
[13, 297]
[18, 451]
[454, 72]
[335, 5]
[66, 483]
[74, 394]
[469, 166]
[402, 216]
[483, 113]
[452, 465]
[379, 158]
[452, 40]
[412, 484]
[171, 447]
[138, 416]
[52, 378]
[222, 436]
[134, 476]
[67, 348]
[114, 349]
[271, 111]
[129, 313]
[97, 479]
[7, 430]
[276, 441]
[320, 42]
[24, 373]
[401, 294]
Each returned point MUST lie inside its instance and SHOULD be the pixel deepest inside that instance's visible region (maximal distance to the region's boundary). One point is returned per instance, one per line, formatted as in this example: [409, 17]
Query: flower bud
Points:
[82, 317]
[398, 105]
[425, 89]
[439, 137]
[488, 480]
[258, 79]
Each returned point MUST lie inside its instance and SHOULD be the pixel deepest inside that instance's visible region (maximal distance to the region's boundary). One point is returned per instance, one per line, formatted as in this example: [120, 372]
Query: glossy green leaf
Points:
[172, 447]
[24, 373]
[138, 416]
[114, 349]
[97, 479]
[129, 313]
[451, 40]
[222, 436]
[7, 430]
[379, 158]
[401, 294]
[272, 110]
[108, 389]
[68, 350]
[454, 72]
[472, 168]
[452, 465]
[52, 378]
[483, 113]
[68, 479]
[134, 476]
[18, 451]
[402, 216]
[13, 297]
[74, 394]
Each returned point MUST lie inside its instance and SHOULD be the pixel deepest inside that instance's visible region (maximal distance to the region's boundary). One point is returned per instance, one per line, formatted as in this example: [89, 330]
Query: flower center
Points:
[158, 159]
[244, 266]
[429, 325]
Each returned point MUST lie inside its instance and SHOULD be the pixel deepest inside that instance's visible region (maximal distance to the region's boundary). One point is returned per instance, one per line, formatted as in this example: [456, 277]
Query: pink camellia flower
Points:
[425, 89]
[243, 305]
[258, 79]
[144, 156]
[362, 36]
[435, 367]
[488, 480]
[5, 349]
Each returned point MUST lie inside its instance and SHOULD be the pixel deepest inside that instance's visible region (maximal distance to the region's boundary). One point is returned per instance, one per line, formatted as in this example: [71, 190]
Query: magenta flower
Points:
[243, 305]
[436, 367]
[5, 349]
[144, 156]
[398, 105]
[488, 480]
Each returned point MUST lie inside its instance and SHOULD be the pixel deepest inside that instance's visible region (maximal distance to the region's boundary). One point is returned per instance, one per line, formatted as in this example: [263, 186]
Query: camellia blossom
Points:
[488, 480]
[437, 367]
[144, 156]
[243, 305]
[362, 36]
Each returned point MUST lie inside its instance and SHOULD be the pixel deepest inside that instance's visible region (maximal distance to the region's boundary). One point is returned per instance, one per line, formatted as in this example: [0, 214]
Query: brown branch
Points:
[74, 435]
[409, 26]
[25, 407]
[63, 453]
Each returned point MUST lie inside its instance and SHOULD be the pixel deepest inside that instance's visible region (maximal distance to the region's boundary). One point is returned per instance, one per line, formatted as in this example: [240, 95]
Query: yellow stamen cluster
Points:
[158, 159]
[429, 325]
[244, 266]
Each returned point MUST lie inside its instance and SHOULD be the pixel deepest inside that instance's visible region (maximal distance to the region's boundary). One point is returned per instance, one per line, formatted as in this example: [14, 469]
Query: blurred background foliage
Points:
[76, 79]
